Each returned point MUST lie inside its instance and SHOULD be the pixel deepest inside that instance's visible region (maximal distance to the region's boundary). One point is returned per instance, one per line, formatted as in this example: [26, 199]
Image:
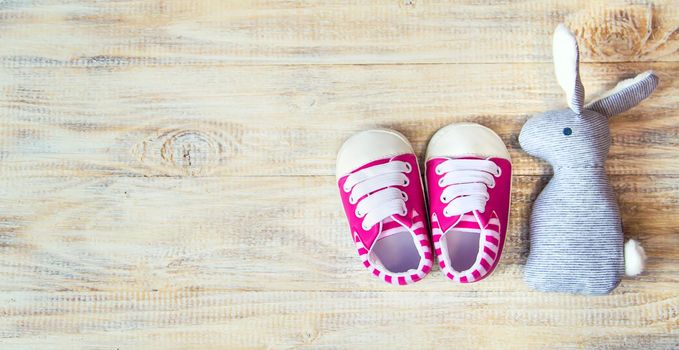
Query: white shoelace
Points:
[380, 184]
[466, 183]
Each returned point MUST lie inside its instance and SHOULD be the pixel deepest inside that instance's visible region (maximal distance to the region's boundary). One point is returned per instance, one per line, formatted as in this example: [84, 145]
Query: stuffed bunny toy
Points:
[576, 239]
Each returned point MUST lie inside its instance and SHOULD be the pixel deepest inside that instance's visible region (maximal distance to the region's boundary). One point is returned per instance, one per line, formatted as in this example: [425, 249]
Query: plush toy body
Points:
[575, 228]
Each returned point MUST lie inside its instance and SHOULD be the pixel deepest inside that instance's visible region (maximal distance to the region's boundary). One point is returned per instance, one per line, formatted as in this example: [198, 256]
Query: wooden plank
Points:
[167, 169]
[110, 33]
[346, 320]
[290, 120]
[266, 233]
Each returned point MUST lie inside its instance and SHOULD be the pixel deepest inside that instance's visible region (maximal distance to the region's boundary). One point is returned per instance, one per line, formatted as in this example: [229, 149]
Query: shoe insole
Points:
[463, 247]
[397, 252]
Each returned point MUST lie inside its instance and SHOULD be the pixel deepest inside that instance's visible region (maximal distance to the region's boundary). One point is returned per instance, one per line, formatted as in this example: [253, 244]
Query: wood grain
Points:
[290, 120]
[254, 320]
[168, 170]
[251, 233]
[149, 258]
[111, 33]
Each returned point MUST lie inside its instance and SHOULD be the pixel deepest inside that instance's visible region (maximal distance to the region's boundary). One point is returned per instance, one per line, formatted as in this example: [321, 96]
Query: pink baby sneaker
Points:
[381, 190]
[468, 174]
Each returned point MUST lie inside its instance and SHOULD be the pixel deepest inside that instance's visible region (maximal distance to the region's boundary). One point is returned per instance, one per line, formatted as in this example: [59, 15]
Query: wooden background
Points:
[167, 169]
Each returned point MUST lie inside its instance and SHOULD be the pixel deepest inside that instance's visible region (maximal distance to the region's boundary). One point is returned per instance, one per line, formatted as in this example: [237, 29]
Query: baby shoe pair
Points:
[468, 184]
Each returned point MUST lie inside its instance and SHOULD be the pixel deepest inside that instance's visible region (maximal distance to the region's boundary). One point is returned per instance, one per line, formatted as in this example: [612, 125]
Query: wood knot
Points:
[310, 335]
[189, 151]
[619, 33]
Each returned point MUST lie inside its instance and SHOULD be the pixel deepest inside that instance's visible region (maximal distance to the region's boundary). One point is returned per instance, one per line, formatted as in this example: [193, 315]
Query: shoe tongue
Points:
[472, 220]
[483, 218]
[390, 226]
[395, 224]
[386, 228]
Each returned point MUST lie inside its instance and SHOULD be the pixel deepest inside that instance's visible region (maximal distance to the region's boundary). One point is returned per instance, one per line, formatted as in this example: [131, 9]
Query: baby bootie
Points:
[468, 175]
[381, 190]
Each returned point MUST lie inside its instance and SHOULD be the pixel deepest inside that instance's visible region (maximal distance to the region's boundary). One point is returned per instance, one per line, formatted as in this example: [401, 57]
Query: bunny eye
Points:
[567, 131]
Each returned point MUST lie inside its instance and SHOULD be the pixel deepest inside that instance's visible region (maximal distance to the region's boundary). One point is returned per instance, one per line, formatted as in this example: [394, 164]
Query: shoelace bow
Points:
[466, 183]
[376, 191]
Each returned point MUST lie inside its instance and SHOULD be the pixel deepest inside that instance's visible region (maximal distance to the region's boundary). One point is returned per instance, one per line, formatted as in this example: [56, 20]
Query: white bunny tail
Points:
[635, 258]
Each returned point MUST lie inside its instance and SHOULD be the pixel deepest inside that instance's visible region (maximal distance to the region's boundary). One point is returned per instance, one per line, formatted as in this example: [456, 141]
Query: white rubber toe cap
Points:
[368, 146]
[466, 139]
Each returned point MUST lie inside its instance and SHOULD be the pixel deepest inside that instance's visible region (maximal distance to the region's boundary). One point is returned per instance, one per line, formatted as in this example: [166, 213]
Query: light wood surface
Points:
[167, 170]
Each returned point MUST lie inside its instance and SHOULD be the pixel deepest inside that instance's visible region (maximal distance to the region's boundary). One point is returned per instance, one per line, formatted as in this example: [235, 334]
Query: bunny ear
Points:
[627, 94]
[566, 66]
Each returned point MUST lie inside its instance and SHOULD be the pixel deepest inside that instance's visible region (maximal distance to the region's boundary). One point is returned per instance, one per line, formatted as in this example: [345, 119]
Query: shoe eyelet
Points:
[443, 199]
[441, 182]
[406, 182]
[446, 213]
[408, 168]
[404, 195]
[358, 214]
[492, 185]
[438, 171]
[351, 200]
[498, 172]
[346, 189]
[365, 228]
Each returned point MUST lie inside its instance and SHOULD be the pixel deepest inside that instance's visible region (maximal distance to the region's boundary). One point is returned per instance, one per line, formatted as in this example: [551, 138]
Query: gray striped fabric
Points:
[575, 233]
[626, 95]
[578, 98]
[576, 239]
